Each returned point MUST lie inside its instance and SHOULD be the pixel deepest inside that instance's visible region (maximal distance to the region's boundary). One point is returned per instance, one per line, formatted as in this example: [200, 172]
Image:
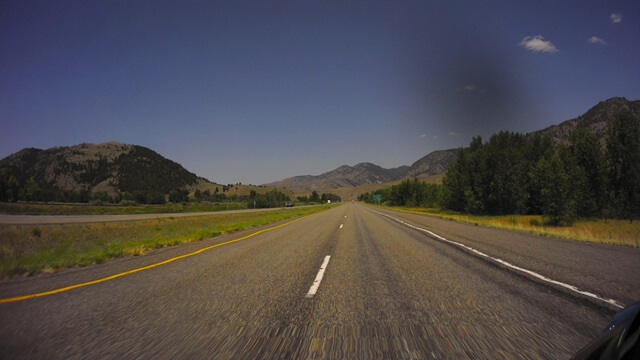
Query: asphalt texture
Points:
[389, 291]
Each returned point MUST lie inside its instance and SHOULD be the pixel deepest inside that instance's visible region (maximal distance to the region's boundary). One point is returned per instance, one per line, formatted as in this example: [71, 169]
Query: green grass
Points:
[618, 232]
[85, 209]
[30, 249]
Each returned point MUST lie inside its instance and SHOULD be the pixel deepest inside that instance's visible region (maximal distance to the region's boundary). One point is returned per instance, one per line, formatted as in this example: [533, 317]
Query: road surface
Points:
[385, 289]
[78, 219]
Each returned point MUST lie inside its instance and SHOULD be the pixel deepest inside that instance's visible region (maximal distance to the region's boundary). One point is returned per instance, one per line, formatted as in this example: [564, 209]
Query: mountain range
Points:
[435, 164]
[110, 167]
[595, 120]
[116, 168]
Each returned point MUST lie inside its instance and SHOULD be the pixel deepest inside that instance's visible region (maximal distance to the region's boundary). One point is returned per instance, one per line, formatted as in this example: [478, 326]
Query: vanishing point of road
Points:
[351, 282]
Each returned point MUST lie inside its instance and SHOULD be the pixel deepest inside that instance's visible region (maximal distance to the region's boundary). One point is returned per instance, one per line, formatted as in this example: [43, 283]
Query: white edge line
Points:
[316, 282]
[507, 264]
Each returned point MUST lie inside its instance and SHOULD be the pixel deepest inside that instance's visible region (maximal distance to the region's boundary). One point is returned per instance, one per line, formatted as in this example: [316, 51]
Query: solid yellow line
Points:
[115, 276]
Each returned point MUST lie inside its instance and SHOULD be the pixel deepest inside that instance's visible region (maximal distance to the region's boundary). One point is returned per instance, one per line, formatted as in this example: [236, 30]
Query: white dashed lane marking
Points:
[316, 282]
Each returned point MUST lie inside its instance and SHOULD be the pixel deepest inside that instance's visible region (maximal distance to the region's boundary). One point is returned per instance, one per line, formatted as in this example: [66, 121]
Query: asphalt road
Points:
[388, 291]
[77, 219]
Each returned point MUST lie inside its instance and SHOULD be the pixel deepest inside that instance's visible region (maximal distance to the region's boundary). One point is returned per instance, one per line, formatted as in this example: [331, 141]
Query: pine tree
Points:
[456, 182]
[623, 162]
[550, 177]
[586, 166]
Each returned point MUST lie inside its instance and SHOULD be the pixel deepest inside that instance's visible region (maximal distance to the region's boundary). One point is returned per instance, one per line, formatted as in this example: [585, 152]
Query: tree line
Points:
[410, 192]
[517, 174]
[316, 198]
[271, 199]
[31, 192]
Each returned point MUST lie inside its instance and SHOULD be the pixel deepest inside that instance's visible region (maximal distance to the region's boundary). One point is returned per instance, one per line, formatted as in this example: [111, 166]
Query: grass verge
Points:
[617, 232]
[31, 249]
[86, 209]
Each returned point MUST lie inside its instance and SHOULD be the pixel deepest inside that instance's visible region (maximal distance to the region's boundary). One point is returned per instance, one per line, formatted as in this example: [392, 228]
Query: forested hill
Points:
[517, 174]
[595, 121]
[74, 173]
[583, 168]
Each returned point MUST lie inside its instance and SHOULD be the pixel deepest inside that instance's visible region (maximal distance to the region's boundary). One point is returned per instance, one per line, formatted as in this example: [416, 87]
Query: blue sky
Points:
[256, 91]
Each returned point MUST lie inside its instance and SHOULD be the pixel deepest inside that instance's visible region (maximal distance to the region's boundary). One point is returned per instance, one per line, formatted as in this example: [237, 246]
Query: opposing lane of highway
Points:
[81, 219]
[388, 291]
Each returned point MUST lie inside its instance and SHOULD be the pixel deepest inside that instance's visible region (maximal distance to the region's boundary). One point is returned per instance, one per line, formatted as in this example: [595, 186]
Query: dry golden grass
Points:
[240, 190]
[617, 232]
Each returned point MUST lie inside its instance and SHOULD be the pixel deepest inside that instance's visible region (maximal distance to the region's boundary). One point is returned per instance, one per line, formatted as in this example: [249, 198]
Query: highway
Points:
[387, 285]
[80, 219]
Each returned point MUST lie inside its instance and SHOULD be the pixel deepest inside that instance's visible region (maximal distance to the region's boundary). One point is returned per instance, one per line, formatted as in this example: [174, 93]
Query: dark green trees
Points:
[145, 170]
[585, 165]
[489, 178]
[413, 192]
[552, 185]
[178, 195]
[410, 192]
[273, 198]
[329, 196]
[623, 165]
[516, 174]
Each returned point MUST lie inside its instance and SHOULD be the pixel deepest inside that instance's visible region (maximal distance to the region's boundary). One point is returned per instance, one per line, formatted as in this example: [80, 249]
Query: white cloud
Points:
[454, 134]
[435, 136]
[596, 40]
[470, 87]
[538, 44]
[616, 18]
[422, 136]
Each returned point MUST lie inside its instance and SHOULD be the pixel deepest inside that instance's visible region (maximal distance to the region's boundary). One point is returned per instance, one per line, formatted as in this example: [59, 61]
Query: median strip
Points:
[133, 271]
[507, 264]
[316, 282]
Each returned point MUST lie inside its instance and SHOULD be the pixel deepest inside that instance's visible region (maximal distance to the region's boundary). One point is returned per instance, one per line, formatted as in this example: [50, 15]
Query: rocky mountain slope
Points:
[344, 176]
[436, 163]
[108, 167]
[595, 120]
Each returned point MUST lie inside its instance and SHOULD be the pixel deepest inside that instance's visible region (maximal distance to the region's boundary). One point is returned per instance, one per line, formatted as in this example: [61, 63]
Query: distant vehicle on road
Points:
[288, 204]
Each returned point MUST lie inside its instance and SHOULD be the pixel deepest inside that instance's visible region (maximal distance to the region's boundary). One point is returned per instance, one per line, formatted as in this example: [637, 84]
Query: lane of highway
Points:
[609, 270]
[387, 290]
[81, 219]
